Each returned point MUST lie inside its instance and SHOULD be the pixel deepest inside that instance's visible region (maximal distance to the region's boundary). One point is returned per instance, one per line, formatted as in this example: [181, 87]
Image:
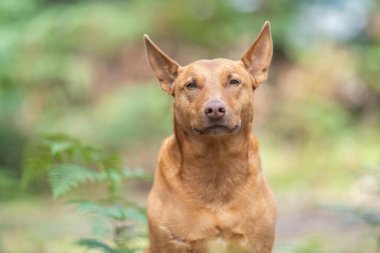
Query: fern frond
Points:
[88, 206]
[117, 212]
[36, 162]
[60, 144]
[65, 177]
[43, 152]
[95, 244]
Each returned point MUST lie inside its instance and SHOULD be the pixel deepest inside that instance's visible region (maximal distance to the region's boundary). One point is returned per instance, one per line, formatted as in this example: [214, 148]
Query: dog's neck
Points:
[214, 165]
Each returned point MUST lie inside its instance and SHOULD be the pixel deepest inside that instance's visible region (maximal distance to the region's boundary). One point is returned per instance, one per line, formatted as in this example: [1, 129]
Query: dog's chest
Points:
[226, 236]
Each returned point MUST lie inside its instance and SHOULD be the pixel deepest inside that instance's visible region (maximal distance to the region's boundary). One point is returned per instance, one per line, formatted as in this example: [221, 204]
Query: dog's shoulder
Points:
[169, 155]
[254, 143]
[168, 148]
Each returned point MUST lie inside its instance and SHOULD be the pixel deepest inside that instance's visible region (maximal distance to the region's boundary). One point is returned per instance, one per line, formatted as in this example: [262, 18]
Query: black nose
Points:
[215, 109]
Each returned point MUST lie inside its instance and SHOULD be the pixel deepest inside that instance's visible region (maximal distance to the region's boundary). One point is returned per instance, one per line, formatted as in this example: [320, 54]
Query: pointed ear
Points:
[258, 57]
[163, 67]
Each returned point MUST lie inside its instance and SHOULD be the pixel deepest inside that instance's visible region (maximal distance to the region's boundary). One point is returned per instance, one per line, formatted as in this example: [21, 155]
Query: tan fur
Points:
[209, 193]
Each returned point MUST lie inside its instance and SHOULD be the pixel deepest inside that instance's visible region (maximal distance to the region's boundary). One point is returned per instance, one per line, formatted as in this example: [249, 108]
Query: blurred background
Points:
[77, 67]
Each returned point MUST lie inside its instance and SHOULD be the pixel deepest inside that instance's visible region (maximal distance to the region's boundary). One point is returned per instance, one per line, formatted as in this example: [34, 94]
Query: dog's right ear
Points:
[163, 67]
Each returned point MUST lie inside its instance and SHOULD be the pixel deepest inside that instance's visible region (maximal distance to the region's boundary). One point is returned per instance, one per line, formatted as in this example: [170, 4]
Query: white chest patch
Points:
[217, 246]
[220, 245]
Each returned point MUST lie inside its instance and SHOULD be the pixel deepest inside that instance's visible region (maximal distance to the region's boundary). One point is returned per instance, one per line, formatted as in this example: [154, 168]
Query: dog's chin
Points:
[216, 130]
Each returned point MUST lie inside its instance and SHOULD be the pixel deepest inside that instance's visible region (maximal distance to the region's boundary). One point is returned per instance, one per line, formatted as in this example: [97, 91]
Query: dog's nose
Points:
[215, 110]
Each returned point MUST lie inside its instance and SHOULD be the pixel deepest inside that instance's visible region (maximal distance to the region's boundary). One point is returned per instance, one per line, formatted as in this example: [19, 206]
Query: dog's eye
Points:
[235, 82]
[191, 85]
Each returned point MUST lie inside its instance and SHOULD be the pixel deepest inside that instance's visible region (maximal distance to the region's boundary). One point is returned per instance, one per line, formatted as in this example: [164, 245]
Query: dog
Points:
[209, 194]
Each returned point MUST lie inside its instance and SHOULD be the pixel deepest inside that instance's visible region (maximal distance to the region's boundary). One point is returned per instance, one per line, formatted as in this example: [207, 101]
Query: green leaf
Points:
[65, 177]
[57, 148]
[95, 244]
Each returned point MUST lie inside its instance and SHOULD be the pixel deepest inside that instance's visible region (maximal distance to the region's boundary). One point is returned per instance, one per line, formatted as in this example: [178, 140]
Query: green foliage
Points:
[127, 115]
[96, 244]
[43, 152]
[69, 164]
[64, 177]
[57, 33]
[370, 54]
[119, 211]
[8, 184]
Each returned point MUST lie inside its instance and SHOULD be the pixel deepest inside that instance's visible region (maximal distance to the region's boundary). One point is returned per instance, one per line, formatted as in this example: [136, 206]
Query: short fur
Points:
[209, 193]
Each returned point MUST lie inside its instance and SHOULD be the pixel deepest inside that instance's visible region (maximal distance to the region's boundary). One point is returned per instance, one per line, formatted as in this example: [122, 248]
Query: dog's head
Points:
[213, 97]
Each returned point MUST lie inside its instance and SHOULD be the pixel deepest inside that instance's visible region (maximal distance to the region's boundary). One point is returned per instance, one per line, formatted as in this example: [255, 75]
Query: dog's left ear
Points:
[258, 57]
[163, 67]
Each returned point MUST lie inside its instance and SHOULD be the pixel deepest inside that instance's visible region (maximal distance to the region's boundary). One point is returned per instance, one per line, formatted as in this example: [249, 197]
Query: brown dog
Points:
[209, 193]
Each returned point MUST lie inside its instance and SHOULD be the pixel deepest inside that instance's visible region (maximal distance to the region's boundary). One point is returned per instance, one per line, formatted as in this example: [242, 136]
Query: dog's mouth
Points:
[217, 130]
